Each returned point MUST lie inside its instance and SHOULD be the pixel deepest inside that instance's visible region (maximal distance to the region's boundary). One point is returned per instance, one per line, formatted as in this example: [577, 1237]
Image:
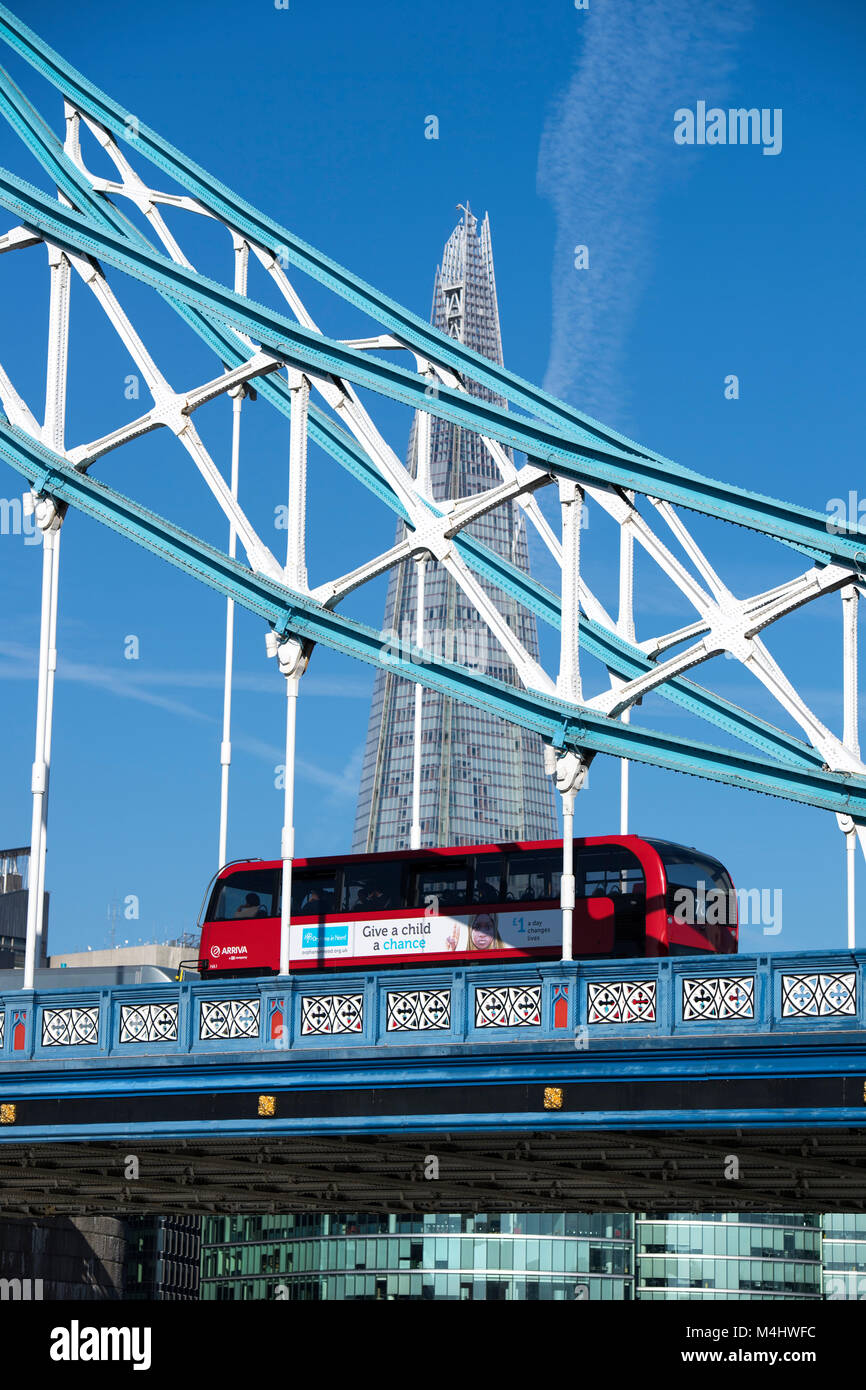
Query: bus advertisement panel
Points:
[401, 938]
[393, 938]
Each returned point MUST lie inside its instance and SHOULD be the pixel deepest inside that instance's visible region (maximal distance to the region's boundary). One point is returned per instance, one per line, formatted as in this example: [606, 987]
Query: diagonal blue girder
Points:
[74, 232]
[620, 656]
[555, 720]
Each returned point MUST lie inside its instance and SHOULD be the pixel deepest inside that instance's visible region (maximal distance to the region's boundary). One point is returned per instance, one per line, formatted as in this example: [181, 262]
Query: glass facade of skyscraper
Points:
[481, 779]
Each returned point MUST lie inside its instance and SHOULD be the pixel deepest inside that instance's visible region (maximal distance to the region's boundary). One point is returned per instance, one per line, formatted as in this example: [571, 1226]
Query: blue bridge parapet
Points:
[689, 1042]
[590, 1004]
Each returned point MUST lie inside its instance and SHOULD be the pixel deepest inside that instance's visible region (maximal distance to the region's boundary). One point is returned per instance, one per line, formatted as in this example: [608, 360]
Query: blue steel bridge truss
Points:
[285, 355]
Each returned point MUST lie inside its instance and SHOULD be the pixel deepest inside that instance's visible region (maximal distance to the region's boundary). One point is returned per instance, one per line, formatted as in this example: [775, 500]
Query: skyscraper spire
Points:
[481, 779]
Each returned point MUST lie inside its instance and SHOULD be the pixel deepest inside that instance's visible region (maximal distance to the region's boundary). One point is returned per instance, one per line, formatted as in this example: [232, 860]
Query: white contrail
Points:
[18, 662]
[606, 152]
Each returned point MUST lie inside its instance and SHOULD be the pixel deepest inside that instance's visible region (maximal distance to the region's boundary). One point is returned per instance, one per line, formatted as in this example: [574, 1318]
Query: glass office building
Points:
[845, 1256]
[14, 892]
[525, 1257]
[495, 1258]
[738, 1256]
[481, 778]
[735, 1256]
[163, 1257]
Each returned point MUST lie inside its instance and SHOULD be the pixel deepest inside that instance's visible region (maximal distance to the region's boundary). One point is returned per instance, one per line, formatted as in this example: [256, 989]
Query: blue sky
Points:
[704, 261]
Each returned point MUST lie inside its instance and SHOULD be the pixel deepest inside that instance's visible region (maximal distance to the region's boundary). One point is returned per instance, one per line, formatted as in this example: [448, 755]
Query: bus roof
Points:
[459, 851]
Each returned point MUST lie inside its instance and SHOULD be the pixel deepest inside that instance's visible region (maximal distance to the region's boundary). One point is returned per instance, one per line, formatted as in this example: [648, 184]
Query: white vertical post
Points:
[242, 252]
[570, 688]
[566, 891]
[226, 745]
[49, 518]
[287, 846]
[851, 865]
[568, 682]
[422, 478]
[296, 557]
[851, 739]
[293, 658]
[623, 783]
[39, 778]
[625, 627]
[49, 725]
[293, 662]
[415, 834]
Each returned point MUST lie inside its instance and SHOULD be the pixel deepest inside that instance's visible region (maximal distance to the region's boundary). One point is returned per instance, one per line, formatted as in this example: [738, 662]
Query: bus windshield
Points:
[247, 893]
[699, 888]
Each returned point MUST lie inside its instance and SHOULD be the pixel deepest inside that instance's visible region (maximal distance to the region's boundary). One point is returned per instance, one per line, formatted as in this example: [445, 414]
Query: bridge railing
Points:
[588, 1003]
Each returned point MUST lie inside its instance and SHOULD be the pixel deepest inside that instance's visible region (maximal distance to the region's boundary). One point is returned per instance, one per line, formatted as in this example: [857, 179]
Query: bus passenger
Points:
[251, 907]
[373, 899]
[316, 903]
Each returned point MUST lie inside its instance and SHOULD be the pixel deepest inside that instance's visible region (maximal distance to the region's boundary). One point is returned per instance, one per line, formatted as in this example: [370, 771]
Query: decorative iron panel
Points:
[332, 1013]
[70, 1027]
[148, 1023]
[508, 1006]
[623, 1001]
[819, 996]
[419, 1010]
[228, 1018]
[717, 997]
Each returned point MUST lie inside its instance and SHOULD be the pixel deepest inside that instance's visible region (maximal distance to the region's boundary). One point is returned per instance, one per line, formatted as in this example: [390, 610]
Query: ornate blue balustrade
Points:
[590, 1005]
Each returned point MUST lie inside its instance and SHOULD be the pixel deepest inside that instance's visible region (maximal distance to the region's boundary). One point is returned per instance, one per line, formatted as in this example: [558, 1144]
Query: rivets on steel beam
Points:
[553, 1097]
[267, 1106]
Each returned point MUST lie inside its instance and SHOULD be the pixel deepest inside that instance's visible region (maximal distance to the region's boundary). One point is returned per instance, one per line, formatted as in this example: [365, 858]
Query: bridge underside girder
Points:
[787, 1171]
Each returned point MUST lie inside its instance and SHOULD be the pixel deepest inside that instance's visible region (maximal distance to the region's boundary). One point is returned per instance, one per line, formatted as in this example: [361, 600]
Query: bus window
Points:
[607, 871]
[248, 893]
[699, 888]
[534, 876]
[489, 872]
[447, 881]
[612, 871]
[372, 887]
[314, 893]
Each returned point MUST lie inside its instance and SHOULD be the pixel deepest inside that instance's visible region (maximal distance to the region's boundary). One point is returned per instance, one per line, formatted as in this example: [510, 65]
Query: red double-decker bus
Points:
[633, 897]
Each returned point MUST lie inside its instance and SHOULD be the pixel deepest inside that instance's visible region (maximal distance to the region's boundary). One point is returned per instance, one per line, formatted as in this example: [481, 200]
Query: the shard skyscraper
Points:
[482, 779]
